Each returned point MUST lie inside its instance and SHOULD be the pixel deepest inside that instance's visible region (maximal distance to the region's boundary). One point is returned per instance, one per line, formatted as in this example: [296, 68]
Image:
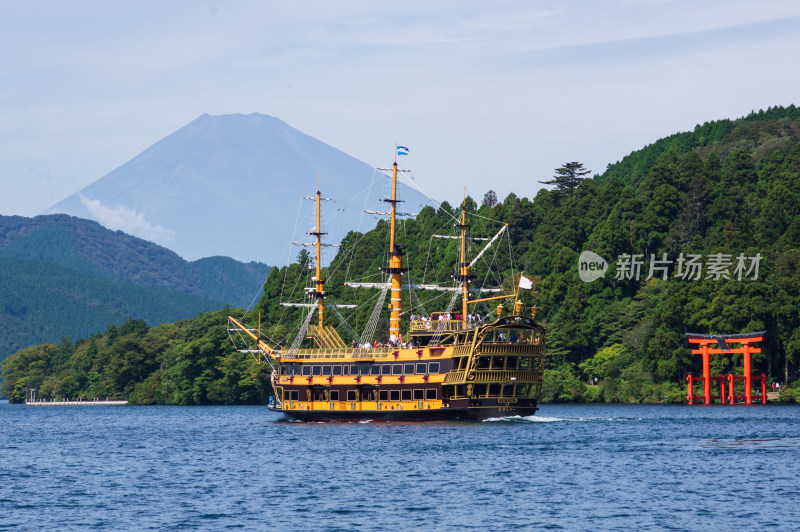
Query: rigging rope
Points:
[415, 297]
[301, 334]
[369, 330]
[343, 321]
[441, 324]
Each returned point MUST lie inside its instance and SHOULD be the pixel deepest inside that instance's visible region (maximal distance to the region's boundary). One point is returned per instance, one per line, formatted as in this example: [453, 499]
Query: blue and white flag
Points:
[402, 150]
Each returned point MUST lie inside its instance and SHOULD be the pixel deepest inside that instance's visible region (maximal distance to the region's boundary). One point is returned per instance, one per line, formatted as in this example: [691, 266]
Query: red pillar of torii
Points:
[704, 342]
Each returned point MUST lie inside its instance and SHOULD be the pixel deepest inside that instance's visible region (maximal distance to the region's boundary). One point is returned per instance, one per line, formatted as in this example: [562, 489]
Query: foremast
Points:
[319, 282]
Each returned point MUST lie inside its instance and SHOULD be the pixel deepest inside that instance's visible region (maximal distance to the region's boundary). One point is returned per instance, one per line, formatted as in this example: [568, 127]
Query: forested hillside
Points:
[64, 276]
[701, 233]
[189, 362]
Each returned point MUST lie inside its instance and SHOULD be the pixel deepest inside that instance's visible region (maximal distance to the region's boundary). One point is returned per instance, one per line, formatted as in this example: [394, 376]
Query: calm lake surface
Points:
[572, 467]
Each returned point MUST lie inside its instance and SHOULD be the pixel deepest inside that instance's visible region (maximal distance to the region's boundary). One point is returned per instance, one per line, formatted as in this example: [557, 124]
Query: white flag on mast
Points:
[525, 283]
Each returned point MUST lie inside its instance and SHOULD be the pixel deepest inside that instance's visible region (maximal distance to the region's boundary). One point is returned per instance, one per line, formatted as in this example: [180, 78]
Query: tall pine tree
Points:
[567, 178]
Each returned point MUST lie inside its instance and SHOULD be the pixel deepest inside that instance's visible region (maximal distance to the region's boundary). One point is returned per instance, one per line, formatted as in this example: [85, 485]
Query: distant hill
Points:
[231, 185]
[65, 276]
[758, 133]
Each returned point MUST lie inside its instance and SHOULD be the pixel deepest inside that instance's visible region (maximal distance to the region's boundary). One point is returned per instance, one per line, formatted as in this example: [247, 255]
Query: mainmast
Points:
[395, 269]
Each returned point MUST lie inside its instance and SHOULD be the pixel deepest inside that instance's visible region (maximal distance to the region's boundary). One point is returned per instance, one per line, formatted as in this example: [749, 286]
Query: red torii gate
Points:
[704, 341]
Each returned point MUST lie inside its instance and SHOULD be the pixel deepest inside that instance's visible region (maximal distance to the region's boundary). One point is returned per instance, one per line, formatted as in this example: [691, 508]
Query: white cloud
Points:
[127, 220]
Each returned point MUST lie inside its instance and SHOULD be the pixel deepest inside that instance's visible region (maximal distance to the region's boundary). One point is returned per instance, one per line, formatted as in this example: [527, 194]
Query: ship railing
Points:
[493, 348]
[495, 376]
[433, 326]
[347, 352]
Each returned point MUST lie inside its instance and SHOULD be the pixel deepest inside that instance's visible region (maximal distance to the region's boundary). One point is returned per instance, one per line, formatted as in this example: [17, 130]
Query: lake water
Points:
[573, 467]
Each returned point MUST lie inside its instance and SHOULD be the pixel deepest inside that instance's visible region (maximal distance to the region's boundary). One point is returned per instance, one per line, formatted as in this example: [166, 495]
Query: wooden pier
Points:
[75, 403]
[32, 400]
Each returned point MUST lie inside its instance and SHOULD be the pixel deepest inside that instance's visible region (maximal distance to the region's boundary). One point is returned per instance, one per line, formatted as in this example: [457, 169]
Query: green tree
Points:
[567, 178]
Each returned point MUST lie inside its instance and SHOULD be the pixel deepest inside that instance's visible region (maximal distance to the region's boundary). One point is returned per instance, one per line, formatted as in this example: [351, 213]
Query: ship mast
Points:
[319, 284]
[395, 268]
[318, 290]
[464, 264]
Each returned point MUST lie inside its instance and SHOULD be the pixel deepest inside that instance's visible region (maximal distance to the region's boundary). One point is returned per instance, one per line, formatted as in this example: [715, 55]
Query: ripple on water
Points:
[573, 467]
[753, 443]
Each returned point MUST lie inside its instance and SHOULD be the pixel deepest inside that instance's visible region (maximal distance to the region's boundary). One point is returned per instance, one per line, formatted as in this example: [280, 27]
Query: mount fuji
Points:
[232, 185]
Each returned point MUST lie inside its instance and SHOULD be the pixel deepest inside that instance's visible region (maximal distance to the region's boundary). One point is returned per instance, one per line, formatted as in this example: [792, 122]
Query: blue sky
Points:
[491, 95]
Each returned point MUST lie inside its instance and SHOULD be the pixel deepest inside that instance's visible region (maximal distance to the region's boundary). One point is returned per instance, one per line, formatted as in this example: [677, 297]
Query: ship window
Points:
[394, 395]
[430, 393]
[376, 369]
[367, 395]
[494, 390]
[386, 369]
[319, 395]
[384, 395]
[406, 395]
[353, 370]
[334, 395]
[511, 362]
[419, 395]
[351, 395]
[337, 370]
[397, 369]
[479, 390]
[345, 370]
[306, 370]
[287, 395]
[497, 362]
[483, 362]
[520, 391]
[283, 370]
[326, 370]
[508, 390]
[433, 367]
[316, 370]
[408, 369]
[422, 368]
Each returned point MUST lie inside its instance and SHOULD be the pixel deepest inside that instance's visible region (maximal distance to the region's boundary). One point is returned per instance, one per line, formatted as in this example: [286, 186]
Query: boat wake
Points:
[525, 419]
[545, 419]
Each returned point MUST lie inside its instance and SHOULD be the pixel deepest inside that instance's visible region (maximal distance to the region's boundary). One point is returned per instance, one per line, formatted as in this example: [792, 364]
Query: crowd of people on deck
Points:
[472, 319]
[398, 341]
[394, 341]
